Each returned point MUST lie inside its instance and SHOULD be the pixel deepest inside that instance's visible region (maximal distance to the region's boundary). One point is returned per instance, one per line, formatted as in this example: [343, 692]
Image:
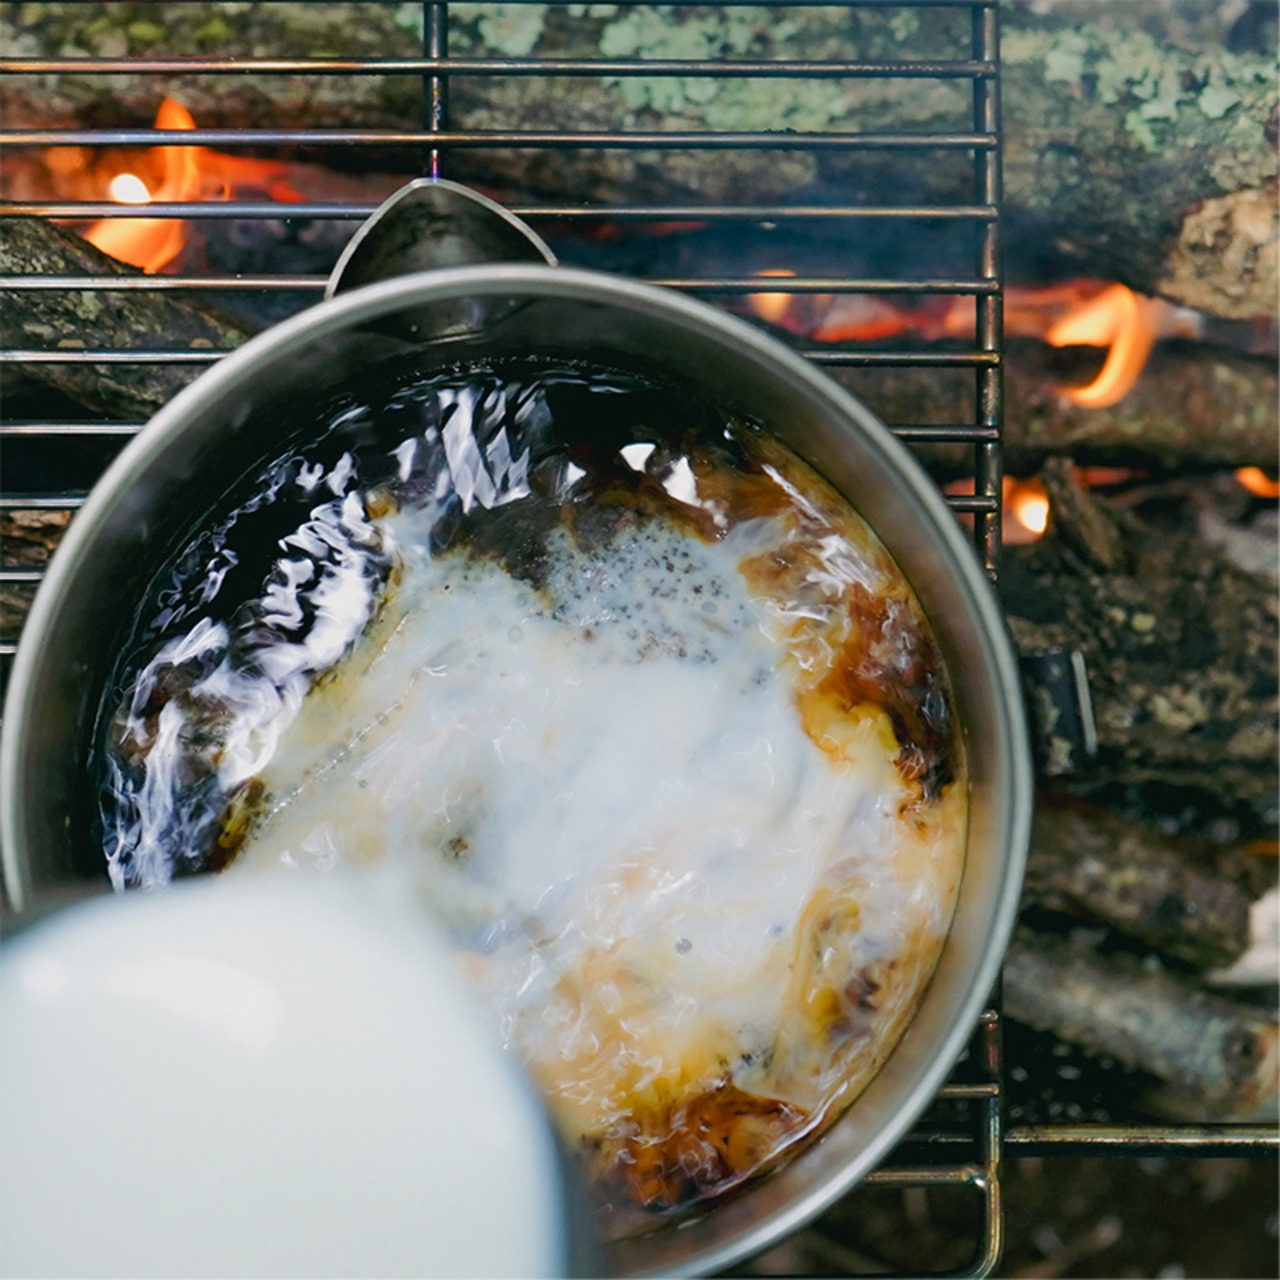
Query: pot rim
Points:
[351, 309]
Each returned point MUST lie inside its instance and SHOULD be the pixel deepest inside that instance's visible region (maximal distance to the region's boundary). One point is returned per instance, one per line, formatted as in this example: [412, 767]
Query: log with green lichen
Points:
[1140, 159]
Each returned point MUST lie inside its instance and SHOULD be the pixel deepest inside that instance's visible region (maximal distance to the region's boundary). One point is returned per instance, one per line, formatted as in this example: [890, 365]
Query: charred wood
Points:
[1179, 642]
[71, 320]
[1194, 406]
[1187, 900]
[1147, 160]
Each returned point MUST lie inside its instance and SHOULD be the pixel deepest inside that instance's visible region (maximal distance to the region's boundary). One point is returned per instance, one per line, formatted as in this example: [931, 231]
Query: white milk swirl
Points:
[645, 716]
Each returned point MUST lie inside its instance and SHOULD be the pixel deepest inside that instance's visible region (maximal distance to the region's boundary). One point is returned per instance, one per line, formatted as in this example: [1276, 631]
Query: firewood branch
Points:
[1189, 901]
[1217, 1057]
[74, 319]
[1194, 407]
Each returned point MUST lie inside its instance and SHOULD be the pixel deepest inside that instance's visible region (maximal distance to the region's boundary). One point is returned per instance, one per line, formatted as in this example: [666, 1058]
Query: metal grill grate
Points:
[961, 1141]
[962, 1147]
[975, 274]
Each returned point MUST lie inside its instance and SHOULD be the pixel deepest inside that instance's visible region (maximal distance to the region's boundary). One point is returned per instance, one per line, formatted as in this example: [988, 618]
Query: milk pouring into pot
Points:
[625, 696]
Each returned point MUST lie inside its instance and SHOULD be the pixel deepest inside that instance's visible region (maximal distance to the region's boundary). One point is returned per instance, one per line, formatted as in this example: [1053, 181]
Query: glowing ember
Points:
[128, 188]
[1026, 511]
[1258, 482]
[773, 307]
[861, 317]
[1029, 505]
[1025, 504]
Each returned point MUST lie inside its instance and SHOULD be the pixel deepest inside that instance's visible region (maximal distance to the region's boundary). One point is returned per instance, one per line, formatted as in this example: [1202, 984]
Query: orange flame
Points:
[185, 173]
[1258, 482]
[1078, 313]
[1026, 511]
[773, 307]
[152, 243]
[1122, 320]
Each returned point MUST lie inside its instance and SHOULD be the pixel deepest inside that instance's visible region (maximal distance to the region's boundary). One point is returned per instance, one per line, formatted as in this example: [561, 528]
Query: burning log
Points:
[48, 319]
[1147, 161]
[1179, 642]
[1194, 407]
[1217, 1057]
[1189, 901]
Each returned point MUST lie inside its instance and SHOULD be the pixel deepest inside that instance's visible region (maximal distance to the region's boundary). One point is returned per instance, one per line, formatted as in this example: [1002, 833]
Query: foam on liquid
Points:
[693, 864]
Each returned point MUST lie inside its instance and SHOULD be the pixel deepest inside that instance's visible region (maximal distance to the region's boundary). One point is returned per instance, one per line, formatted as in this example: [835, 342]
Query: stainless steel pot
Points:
[235, 416]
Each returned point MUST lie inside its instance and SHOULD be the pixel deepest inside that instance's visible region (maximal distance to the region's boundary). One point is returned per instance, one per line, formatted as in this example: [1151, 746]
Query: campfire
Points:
[1081, 313]
[178, 175]
[1102, 414]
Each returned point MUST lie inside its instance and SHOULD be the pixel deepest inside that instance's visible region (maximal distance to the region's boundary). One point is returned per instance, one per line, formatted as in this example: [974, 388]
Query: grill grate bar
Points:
[722, 284]
[970, 1092]
[676, 140]
[934, 433]
[717, 69]
[42, 429]
[41, 501]
[164, 284]
[828, 284]
[988, 458]
[904, 360]
[1135, 1140]
[976, 503]
[837, 359]
[944, 433]
[966, 1175]
[774, 4]
[112, 355]
[351, 211]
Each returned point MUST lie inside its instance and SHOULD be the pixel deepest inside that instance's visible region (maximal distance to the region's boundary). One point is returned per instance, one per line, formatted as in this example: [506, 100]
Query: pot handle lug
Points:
[432, 223]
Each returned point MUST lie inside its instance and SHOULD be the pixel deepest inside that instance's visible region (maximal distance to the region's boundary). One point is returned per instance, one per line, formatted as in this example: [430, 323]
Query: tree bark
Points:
[1126, 155]
[28, 539]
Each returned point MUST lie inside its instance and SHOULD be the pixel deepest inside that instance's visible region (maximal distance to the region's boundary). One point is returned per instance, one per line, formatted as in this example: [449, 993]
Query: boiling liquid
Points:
[633, 703]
